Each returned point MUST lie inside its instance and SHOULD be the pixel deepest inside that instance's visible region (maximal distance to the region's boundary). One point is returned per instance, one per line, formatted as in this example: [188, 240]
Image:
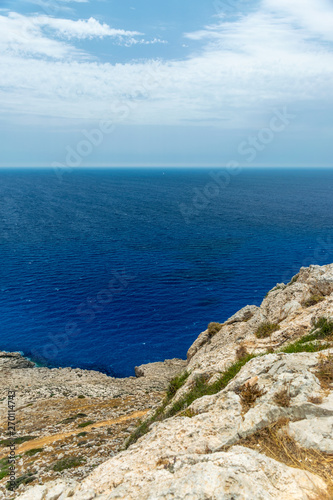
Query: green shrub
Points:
[175, 384]
[214, 328]
[299, 346]
[33, 451]
[68, 420]
[67, 463]
[266, 329]
[82, 434]
[81, 396]
[323, 329]
[3, 473]
[85, 424]
[82, 443]
[25, 479]
[199, 389]
[4, 465]
[313, 300]
[74, 417]
[202, 388]
[17, 440]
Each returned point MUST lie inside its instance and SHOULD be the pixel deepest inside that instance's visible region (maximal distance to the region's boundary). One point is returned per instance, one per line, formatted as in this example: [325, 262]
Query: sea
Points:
[107, 269]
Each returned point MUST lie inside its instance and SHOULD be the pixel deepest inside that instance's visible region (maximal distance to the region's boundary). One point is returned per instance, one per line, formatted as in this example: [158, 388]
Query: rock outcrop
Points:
[252, 420]
[14, 361]
[80, 415]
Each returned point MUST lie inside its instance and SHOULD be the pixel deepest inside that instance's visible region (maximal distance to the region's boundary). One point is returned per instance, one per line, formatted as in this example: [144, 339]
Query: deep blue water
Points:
[119, 237]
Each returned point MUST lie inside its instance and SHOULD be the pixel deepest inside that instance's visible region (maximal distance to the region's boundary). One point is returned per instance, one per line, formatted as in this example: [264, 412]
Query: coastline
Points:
[262, 369]
[73, 412]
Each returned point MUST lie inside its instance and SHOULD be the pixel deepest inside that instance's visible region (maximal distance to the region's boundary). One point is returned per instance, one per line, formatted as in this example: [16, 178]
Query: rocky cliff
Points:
[250, 416]
[68, 421]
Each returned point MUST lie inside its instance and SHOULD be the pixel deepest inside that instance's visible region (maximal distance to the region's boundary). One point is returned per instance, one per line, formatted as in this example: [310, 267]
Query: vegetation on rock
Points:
[33, 451]
[85, 424]
[313, 300]
[67, 463]
[266, 329]
[249, 393]
[283, 398]
[214, 328]
[17, 440]
[323, 330]
[276, 443]
[200, 388]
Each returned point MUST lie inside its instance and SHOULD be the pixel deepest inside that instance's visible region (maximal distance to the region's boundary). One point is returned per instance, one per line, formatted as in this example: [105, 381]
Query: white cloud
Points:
[20, 35]
[80, 29]
[316, 17]
[26, 35]
[258, 61]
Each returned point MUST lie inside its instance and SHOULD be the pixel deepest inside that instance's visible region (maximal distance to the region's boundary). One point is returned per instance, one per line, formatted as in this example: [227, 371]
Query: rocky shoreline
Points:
[73, 413]
[249, 416]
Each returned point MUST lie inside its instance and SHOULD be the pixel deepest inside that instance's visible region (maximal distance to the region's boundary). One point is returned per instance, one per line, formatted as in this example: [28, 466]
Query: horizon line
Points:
[172, 166]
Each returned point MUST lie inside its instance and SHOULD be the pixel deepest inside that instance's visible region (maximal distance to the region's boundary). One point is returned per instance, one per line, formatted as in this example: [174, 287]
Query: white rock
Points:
[243, 315]
[240, 473]
[314, 433]
[34, 493]
[185, 458]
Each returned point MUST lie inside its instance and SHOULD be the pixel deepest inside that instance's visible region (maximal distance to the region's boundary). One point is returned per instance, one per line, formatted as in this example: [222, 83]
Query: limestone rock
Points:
[197, 344]
[243, 315]
[185, 451]
[55, 490]
[314, 433]
[240, 473]
[14, 361]
[202, 455]
[163, 370]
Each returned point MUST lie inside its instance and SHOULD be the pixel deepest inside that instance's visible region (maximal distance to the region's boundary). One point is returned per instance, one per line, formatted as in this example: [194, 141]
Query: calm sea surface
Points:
[109, 269]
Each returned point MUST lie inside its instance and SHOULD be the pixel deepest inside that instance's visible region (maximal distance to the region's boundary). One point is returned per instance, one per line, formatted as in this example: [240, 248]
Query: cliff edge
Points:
[250, 417]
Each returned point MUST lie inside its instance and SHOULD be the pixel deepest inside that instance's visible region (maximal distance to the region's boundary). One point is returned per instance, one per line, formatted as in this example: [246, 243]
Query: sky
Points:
[177, 83]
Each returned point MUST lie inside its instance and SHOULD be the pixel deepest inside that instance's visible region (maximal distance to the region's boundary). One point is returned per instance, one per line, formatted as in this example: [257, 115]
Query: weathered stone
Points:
[165, 370]
[197, 456]
[243, 315]
[314, 433]
[14, 361]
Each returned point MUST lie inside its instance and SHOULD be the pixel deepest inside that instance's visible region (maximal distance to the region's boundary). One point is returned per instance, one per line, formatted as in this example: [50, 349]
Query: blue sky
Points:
[179, 83]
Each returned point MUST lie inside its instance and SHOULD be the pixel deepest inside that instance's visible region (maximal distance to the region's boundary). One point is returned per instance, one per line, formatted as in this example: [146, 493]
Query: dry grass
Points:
[325, 370]
[241, 352]
[166, 463]
[162, 462]
[214, 328]
[249, 393]
[189, 413]
[316, 400]
[278, 445]
[283, 398]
